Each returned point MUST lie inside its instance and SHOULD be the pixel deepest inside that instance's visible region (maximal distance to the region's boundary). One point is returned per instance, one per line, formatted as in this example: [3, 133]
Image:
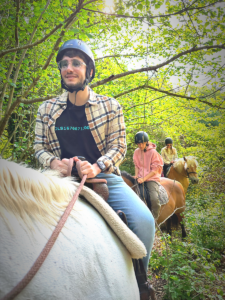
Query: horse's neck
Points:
[181, 177]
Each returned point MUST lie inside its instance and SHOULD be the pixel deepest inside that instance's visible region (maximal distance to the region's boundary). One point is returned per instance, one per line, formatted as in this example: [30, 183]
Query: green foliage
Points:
[190, 266]
[189, 271]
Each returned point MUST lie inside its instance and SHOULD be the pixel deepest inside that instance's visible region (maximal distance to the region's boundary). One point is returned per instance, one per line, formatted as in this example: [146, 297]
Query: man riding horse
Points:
[83, 123]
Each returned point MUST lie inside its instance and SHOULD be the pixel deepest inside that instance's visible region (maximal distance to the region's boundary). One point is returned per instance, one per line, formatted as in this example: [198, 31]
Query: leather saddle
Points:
[99, 186]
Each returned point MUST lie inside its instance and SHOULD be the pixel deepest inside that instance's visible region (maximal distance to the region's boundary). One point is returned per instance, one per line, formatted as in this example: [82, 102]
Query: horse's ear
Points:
[185, 159]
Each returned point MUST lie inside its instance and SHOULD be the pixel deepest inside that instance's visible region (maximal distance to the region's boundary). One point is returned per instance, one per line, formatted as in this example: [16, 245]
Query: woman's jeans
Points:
[139, 217]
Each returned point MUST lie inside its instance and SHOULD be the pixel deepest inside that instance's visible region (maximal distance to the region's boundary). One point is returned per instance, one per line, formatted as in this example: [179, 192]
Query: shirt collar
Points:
[62, 99]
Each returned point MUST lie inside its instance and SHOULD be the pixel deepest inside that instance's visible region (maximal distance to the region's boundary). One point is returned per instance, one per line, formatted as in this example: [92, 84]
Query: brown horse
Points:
[183, 170]
[172, 210]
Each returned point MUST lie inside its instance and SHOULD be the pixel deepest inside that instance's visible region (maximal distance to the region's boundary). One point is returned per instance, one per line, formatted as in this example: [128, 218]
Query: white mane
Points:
[26, 192]
[191, 163]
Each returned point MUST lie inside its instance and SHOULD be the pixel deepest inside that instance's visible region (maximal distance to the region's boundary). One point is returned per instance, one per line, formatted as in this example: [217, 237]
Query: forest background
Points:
[164, 62]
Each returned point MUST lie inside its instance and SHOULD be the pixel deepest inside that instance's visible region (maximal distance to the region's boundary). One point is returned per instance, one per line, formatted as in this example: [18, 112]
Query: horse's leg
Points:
[184, 234]
[180, 219]
[168, 227]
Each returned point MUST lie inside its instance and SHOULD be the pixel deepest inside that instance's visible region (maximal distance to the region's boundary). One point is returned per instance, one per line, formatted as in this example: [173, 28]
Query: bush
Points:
[189, 271]
[190, 267]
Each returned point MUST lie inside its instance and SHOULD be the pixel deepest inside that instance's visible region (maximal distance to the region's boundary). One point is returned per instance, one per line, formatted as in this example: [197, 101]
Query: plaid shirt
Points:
[106, 122]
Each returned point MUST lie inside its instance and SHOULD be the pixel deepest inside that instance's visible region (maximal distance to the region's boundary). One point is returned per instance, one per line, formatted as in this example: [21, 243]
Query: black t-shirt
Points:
[74, 135]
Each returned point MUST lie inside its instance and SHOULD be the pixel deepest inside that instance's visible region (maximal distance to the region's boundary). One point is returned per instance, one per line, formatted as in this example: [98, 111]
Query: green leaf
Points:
[75, 30]
[89, 35]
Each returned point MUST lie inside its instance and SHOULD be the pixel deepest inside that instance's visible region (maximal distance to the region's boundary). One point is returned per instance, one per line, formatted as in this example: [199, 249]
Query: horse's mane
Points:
[128, 176]
[191, 162]
[28, 193]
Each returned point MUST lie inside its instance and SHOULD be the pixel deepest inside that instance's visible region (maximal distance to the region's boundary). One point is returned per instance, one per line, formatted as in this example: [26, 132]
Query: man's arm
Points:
[116, 141]
[41, 145]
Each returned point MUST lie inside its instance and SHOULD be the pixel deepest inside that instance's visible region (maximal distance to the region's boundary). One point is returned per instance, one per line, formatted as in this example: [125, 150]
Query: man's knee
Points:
[149, 222]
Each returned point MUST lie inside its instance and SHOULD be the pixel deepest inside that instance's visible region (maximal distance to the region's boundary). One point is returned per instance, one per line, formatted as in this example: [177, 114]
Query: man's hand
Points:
[140, 180]
[60, 165]
[88, 169]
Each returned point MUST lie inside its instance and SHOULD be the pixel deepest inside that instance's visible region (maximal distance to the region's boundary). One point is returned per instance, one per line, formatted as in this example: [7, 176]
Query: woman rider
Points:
[148, 167]
[169, 155]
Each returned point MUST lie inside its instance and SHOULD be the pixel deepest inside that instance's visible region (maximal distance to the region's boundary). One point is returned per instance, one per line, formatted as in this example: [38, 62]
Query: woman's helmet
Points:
[168, 141]
[86, 51]
[141, 137]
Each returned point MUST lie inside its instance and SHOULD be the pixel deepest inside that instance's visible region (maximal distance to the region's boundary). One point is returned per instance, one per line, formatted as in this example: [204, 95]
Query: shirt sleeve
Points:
[135, 159]
[155, 162]
[41, 145]
[116, 142]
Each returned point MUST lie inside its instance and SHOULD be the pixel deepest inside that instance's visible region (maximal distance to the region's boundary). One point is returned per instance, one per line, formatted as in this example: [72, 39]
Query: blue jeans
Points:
[139, 217]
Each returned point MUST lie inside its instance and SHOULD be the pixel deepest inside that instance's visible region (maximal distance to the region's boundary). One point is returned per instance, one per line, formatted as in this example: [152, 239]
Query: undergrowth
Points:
[192, 268]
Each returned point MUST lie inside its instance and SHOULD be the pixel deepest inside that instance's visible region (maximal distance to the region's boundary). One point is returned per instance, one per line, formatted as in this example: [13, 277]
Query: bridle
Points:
[186, 172]
[189, 172]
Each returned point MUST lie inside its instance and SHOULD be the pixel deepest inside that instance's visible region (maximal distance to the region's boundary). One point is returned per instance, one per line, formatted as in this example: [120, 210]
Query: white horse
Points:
[88, 260]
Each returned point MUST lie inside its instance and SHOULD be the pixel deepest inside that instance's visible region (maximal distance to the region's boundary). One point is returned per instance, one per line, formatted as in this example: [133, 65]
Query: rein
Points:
[44, 253]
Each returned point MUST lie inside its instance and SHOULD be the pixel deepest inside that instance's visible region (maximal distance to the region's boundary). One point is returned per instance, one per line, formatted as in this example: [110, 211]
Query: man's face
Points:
[142, 146]
[72, 75]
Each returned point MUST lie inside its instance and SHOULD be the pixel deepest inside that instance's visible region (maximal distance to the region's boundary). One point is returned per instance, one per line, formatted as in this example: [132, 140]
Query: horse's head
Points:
[190, 166]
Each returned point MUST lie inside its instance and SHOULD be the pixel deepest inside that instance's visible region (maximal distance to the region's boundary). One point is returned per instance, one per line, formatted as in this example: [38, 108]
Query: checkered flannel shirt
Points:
[106, 122]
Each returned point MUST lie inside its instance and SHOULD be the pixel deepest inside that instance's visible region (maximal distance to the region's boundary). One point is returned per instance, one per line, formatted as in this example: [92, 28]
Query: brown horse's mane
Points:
[31, 194]
[128, 176]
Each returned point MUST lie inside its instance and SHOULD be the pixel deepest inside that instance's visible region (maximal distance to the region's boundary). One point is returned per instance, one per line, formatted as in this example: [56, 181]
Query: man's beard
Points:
[74, 86]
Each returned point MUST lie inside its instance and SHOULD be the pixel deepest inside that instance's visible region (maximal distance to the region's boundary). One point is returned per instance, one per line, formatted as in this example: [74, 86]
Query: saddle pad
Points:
[133, 244]
[163, 197]
[168, 170]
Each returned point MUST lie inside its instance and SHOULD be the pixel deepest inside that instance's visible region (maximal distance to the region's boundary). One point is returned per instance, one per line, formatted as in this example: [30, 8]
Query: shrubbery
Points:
[190, 267]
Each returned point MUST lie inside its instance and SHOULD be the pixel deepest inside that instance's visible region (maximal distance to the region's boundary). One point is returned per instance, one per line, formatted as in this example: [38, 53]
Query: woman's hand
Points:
[140, 180]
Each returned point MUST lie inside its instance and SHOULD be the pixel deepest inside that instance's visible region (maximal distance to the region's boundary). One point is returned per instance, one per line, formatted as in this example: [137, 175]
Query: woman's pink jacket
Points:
[148, 161]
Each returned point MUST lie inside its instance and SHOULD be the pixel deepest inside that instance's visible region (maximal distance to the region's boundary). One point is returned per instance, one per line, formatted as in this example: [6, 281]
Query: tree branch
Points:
[37, 99]
[28, 46]
[158, 16]
[170, 94]
[17, 21]
[117, 55]
[22, 56]
[154, 68]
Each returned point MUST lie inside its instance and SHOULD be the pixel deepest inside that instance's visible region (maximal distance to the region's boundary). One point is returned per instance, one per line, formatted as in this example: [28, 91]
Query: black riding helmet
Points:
[141, 137]
[168, 141]
[86, 51]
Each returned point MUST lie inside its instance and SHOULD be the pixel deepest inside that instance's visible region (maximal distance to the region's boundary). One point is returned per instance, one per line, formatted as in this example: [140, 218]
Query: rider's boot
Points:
[146, 290]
